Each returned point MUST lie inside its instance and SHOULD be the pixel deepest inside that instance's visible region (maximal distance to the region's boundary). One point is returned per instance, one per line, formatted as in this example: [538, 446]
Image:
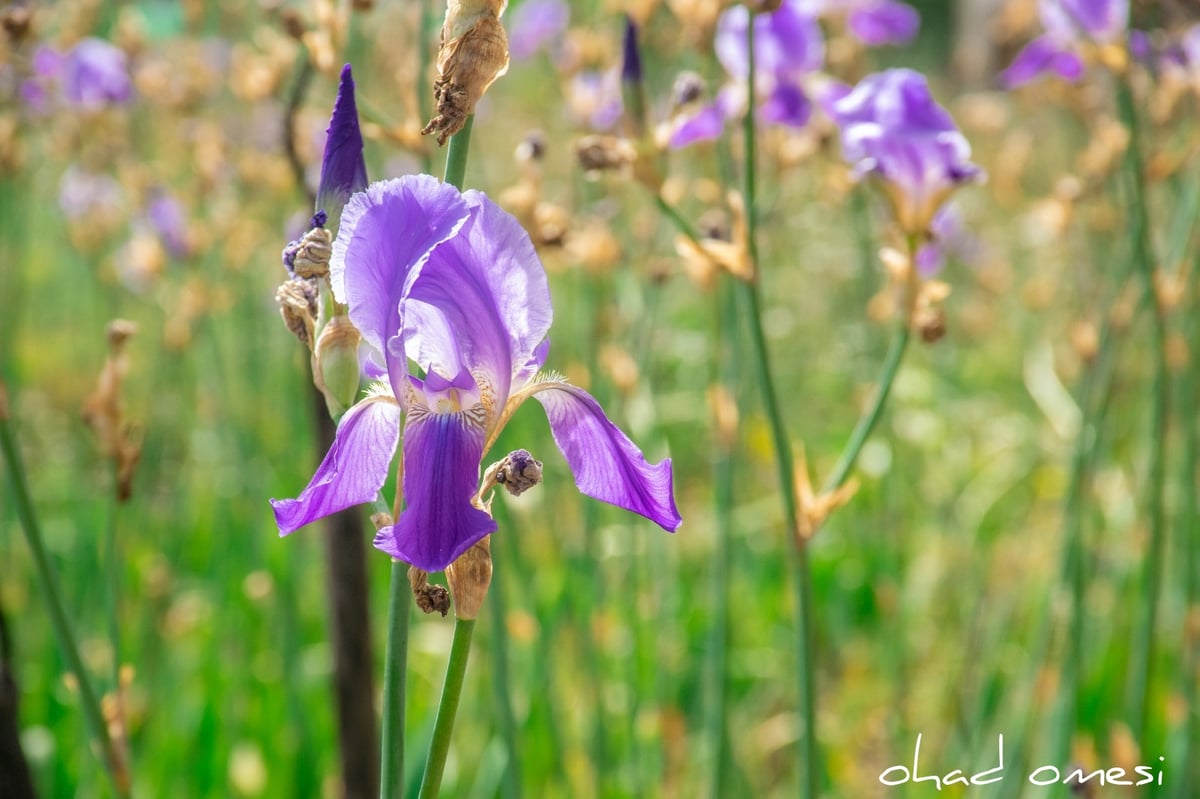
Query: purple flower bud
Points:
[631, 65]
[343, 170]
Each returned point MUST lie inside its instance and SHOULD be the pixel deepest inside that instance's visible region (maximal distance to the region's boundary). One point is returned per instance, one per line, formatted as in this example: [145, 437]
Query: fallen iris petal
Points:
[354, 469]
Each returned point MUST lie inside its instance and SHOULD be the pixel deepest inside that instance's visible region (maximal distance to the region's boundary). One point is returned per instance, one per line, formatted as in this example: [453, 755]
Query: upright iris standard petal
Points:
[606, 464]
[1069, 24]
[488, 293]
[441, 474]
[787, 42]
[387, 233]
[343, 170]
[353, 470]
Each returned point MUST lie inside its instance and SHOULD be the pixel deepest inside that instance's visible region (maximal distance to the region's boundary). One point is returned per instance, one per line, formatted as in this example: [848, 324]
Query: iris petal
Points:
[387, 232]
[606, 464]
[481, 301]
[441, 475]
[354, 468]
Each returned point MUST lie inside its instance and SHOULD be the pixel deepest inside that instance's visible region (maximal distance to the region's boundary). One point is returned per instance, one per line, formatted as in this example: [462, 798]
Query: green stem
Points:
[805, 639]
[1143, 655]
[724, 363]
[866, 422]
[456, 669]
[391, 776]
[456, 154]
[93, 716]
[511, 782]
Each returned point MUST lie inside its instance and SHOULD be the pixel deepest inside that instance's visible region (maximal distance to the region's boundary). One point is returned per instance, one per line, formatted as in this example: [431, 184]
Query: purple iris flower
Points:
[450, 283]
[93, 74]
[787, 46]
[1068, 24]
[891, 128]
[534, 24]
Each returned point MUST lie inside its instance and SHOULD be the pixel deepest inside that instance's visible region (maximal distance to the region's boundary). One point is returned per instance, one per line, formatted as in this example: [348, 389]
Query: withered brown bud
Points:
[469, 578]
[518, 472]
[15, 20]
[312, 256]
[297, 300]
[930, 323]
[688, 88]
[430, 598]
[292, 23]
[597, 153]
[474, 52]
[532, 148]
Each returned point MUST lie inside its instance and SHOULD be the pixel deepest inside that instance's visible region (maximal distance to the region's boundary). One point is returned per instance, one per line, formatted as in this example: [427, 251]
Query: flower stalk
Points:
[799, 563]
[443, 727]
[114, 763]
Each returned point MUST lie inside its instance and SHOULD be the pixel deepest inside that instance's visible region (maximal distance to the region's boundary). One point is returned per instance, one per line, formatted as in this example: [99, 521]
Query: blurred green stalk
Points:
[1143, 652]
[113, 763]
[749, 289]
[391, 770]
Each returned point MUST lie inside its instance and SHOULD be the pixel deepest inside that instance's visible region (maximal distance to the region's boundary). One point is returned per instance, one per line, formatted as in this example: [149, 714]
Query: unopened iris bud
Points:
[336, 364]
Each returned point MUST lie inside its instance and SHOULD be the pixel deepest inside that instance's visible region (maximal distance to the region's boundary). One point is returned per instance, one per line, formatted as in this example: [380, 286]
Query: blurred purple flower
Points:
[450, 282]
[594, 98]
[949, 238]
[343, 170]
[82, 194]
[872, 22]
[787, 46]
[534, 24]
[168, 219]
[892, 129]
[92, 75]
[1068, 25]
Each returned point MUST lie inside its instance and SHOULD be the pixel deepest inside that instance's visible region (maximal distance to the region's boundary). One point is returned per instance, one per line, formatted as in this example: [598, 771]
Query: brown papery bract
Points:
[473, 53]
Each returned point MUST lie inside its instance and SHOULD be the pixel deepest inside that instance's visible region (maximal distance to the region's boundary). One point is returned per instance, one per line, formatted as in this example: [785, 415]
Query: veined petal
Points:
[606, 464]
[354, 468]
[441, 475]
[386, 234]
[343, 170]
[480, 303]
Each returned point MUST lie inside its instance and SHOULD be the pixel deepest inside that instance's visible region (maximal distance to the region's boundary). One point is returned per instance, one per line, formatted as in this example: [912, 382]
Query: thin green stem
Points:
[1143, 654]
[511, 781]
[443, 727]
[391, 775]
[805, 639]
[456, 154]
[112, 570]
[113, 763]
[423, 104]
[866, 422]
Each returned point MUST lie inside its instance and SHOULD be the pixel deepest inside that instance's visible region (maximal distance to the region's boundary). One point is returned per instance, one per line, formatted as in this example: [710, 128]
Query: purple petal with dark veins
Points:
[606, 464]
[441, 475]
[787, 41]
[786, 105]
[343, 170]
[353, 470]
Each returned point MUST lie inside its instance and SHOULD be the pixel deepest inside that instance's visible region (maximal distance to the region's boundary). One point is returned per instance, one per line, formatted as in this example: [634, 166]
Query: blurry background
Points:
[939, 597]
